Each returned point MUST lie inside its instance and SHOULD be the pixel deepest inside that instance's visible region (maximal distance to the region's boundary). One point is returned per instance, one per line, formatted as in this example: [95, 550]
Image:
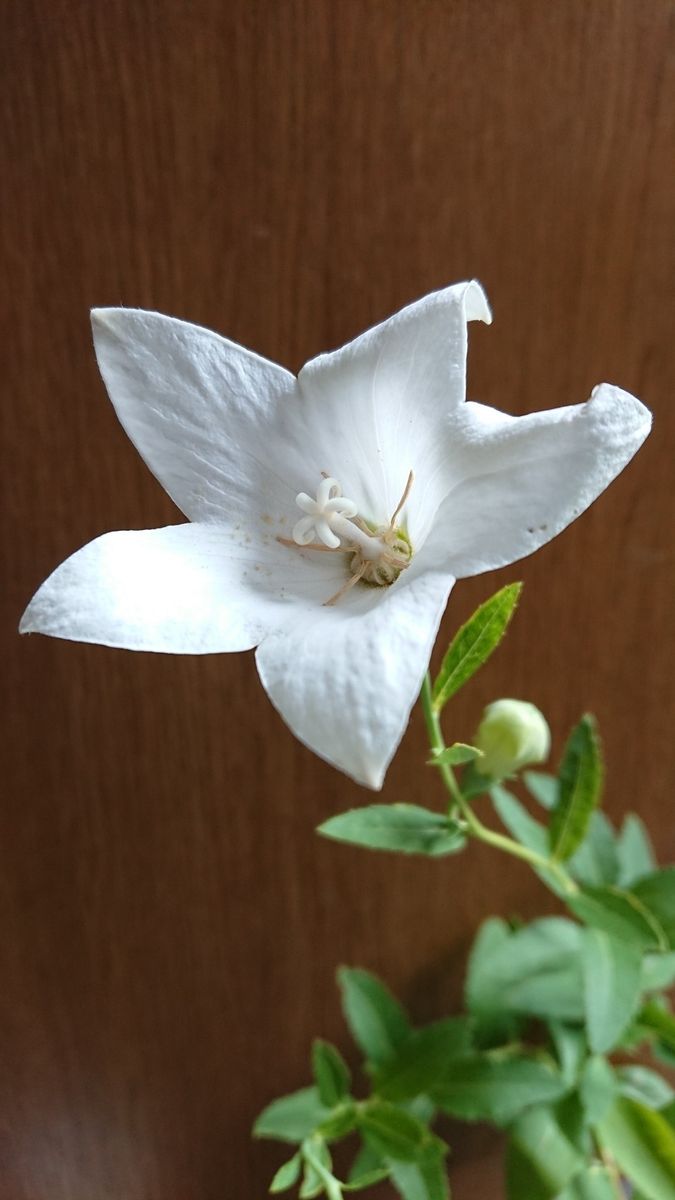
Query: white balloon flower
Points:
[329, 514]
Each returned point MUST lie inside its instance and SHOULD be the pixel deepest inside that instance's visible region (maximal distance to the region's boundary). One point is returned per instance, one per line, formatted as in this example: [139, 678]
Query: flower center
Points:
[331, 523]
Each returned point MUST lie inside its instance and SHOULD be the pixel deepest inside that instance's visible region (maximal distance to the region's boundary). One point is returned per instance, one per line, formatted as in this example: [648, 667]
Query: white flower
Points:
[511, 735]
[414, 488]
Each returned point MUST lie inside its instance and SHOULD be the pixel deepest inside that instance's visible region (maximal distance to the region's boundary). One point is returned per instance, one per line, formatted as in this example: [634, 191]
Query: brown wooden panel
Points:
[290, 171]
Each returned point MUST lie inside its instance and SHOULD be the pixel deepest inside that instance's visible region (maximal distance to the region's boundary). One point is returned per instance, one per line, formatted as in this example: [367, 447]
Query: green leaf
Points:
[456, 755]
[657, 893]
[367, 1181]
[287, 1175]
[406, 828]
[393, 1133]
[534, 970]
[291, 1118]
[426, 1180]
[597, 1088]
[364, 1164]
[594, 1183]
[620, 914]
[543, 787]
[643, 1144]
[540, 1161]
[331, 1073]
[659, 1022]
[492, 1089]
[423, 1059]
[595, 862]
[318, 1175]
[570, 1048]
[645, 1086]
[525, 830]
[658, 971]
[612, 973]
[475, 642]
[378, 1023]
[634, 851]
[339, 1122]
[580, 778]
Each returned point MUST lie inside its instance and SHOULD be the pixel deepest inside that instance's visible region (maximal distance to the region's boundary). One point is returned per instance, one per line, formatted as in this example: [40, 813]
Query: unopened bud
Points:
[512, 734]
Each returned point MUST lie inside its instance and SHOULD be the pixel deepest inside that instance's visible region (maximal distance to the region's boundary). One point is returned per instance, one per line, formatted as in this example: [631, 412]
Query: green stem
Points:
[475, 827]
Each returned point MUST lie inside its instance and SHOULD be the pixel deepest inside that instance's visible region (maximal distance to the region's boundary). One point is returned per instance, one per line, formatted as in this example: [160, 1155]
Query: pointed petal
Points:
[196, 406]
[345, 679]
[526, 478]
[382, 405]
[185, 589]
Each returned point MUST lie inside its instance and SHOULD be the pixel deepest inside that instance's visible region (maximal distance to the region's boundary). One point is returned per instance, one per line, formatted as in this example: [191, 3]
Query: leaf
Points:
[658, 971]
[364, 1164]
[580, 778]
[331, 1073]
[422, 1060]
[657, 893]
[393, 1133]
[594, 1183]
[622, 915]
[291, 1118]
[518, 821]
[543, 787]
[540, 1161]
[660, 1022]
[339, 1122]
[377, 1022]
[646, 1086]
[634, 851]
[318, 1175]
[426, 1180]
[534, 970]
[287, 1175]
[366, 1181]
[474, 643]
[492, 1089]
[612, 972]
[597, 1088]
[403, 827]
[570, 1048]
[595, 862]
[643, 1144]
[456, 755]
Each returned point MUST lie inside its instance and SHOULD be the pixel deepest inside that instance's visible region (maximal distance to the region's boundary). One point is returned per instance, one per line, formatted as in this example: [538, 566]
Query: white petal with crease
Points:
[345, 679]
[526, 478]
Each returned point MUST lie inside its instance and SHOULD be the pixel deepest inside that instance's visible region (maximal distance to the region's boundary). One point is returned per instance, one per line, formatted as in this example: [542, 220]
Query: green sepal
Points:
[474, 643]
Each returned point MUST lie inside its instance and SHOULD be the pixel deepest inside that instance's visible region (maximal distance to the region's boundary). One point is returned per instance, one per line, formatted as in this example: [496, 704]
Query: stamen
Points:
[404, 497]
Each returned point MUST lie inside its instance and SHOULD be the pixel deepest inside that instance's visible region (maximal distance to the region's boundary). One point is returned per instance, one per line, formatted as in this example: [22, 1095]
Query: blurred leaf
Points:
[580, 778]
[422, 1060]
[292, 1118]
[658, 971]
[539, 1159]
[287, 1175]
[659, 1021]
[643, 1145]
[475, 642]
[634, 851]
[612, 973]
[378, 1023]
[426, 1180]
[543, 787]
[595, 862]
[405, 828]
[570, 1048]
[395, 1134]
[620, 914]
[657, 893]
[364, 1164]
[331, 1073]
[597, 1088]
[492, 1089]
[645, 1086]
[456, 756]
[593, 1183]
[525, 830]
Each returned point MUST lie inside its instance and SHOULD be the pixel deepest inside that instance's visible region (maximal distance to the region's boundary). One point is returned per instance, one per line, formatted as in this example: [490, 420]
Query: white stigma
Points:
[329, 521]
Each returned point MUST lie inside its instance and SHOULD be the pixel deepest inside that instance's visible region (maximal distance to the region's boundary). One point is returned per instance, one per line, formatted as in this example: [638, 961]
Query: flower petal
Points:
[345, 678]
[526, 478]
[195, 405]
[185, 589]
[382, 405]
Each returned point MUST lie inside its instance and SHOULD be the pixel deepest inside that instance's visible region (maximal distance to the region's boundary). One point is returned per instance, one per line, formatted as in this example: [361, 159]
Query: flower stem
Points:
[474, 826]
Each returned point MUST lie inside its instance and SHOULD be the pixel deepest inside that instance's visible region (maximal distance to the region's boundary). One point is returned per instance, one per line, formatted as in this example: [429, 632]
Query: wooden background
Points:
[290, 171]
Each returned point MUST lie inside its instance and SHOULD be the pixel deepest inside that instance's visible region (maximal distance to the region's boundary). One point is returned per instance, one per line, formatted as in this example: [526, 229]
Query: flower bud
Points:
[512, 734]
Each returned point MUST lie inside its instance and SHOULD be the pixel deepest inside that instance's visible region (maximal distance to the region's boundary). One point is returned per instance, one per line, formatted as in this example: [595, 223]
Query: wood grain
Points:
[290, 171]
